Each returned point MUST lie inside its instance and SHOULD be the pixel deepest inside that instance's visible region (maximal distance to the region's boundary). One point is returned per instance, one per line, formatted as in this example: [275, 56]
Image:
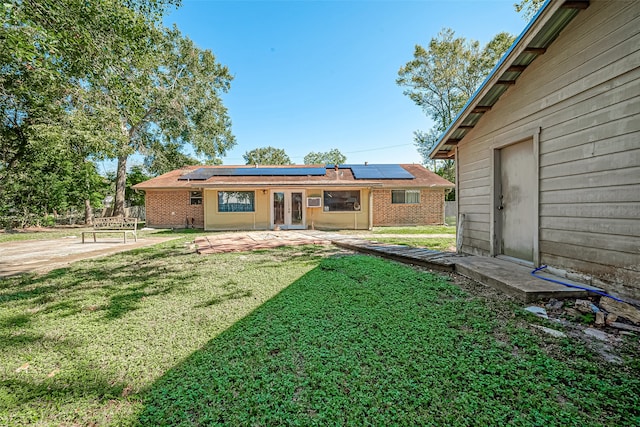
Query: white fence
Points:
[450, 209]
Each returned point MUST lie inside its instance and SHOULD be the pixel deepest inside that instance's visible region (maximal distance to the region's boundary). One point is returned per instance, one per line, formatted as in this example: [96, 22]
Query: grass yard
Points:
[295, 336]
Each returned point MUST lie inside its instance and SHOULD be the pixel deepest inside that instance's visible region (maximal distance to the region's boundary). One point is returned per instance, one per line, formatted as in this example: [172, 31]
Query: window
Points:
[405, 197]
[195, 197]
[340, 201]
[236, 201]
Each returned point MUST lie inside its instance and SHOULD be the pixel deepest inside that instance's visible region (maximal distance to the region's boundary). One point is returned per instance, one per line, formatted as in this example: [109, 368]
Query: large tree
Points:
[266, 156]
[441, 78]
[334, 157]
[165, 97]
[50, 53]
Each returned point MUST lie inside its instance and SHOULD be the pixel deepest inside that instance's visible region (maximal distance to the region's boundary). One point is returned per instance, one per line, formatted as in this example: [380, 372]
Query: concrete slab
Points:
[516, 280]
[254, 240]
[40, 256]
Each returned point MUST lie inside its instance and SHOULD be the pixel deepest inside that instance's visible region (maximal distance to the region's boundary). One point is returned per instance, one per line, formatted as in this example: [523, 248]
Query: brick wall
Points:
[430, 210]
[171, 208]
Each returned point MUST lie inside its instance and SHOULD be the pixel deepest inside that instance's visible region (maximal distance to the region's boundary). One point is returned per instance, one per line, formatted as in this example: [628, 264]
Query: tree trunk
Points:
[121, 182]
[88, 212]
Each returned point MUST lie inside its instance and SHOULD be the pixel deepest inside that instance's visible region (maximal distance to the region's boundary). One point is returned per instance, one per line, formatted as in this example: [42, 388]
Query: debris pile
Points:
[600, 319]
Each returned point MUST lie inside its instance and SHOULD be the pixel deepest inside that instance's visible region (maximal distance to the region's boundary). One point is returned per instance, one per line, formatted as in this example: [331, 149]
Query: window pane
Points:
[412, 196]
[195, 197]
[236, 201]
[405, 196]
[397, 196]
[341, 201]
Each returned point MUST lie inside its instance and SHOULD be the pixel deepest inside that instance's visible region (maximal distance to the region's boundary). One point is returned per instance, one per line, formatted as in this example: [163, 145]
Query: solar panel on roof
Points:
[380, 172]
[203, 174]
[280, 171]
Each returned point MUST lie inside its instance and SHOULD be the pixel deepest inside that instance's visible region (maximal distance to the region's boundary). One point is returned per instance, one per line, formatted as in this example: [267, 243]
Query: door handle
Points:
[500, 207]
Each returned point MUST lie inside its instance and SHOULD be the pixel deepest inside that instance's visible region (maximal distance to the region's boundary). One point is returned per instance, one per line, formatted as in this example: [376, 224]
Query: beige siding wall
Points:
[356, 220]
[261, 218]
[258, 220]
[584, 96]
[430, 210]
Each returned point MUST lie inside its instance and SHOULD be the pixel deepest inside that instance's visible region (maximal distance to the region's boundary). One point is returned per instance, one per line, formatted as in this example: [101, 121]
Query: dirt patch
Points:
[27, 256]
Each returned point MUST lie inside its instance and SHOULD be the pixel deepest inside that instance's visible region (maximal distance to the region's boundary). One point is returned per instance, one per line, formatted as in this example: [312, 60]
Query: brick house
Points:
[295, 197]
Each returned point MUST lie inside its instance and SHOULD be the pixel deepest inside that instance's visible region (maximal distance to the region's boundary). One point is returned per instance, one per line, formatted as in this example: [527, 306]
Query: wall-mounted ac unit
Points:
[314, 202]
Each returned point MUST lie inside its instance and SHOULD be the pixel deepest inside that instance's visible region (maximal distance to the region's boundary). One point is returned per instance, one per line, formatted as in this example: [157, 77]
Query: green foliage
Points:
[158, 336]
[528, 8]
[167, 157]
[177, 101]
[50, 178]
[52, 51]
[331, 157]
[442, 77]
[106, 77]
[266, 156]
[135, 176]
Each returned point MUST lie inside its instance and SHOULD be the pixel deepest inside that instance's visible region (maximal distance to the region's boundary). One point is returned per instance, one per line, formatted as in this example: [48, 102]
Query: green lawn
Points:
[295, 336]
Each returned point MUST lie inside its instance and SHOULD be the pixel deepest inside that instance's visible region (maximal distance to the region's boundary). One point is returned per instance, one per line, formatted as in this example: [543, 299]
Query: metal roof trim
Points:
[544, 15]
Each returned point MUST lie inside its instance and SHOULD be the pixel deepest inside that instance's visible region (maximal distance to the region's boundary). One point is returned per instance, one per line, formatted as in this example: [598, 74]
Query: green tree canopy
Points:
[51, 53]
[136, 175]
[440, 79]
[528, 8]
[333, 156]
[165, 97]
[163, 158]
[266, 156]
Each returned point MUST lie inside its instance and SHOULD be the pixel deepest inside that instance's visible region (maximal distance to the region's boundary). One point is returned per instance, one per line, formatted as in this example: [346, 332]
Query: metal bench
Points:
[115, 224]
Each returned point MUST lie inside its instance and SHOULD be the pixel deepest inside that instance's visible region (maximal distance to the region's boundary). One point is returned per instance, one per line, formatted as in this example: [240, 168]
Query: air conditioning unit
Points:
[314, 202]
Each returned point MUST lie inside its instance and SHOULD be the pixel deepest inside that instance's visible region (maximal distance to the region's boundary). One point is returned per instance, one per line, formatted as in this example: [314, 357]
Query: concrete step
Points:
[516, 280]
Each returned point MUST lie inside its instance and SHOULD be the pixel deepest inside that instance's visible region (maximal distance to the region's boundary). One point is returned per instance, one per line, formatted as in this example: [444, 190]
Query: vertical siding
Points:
[584, 95]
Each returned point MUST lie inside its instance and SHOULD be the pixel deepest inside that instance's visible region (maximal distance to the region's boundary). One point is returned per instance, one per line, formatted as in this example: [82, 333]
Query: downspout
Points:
[370, 208]
[204, 209]
[459, 217]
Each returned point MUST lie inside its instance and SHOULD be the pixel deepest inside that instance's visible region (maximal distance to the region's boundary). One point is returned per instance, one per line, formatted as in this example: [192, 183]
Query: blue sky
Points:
[317, 75]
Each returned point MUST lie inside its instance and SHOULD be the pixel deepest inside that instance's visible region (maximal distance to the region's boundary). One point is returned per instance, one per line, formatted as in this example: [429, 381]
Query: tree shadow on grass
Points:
[361, 341]
[315, 354]
[35, 393]
[125, 279]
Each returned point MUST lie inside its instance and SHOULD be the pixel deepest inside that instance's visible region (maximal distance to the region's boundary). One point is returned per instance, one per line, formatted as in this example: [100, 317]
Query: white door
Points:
[516, 199]
[287, 209]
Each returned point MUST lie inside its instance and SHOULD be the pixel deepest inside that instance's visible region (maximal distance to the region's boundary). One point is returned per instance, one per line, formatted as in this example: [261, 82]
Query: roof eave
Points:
[546, 12]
